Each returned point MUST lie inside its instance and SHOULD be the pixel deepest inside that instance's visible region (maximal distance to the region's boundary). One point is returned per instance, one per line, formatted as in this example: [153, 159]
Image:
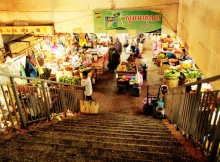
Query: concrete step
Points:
[160, 141]
[101, 135]
[110, 123]
[54, 156]
[93, 126]
[85, 130]
[111, 153]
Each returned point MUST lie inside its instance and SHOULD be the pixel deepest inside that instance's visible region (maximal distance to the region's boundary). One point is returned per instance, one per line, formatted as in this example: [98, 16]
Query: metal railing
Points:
[197, 115]
[36, 100]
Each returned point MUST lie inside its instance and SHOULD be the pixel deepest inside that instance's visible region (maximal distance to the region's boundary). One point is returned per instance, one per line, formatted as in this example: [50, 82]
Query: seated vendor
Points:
[170, 55]
[130, 58]
[184, 55]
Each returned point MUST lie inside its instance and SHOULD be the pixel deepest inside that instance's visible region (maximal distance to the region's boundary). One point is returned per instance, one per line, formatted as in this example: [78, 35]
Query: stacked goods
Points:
[74, 80]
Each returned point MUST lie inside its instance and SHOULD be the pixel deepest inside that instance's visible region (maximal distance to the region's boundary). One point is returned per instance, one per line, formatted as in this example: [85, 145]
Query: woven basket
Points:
[89, 107]
[171, 83]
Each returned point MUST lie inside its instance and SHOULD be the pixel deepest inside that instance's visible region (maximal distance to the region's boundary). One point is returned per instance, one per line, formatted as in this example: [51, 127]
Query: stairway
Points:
[102, 137]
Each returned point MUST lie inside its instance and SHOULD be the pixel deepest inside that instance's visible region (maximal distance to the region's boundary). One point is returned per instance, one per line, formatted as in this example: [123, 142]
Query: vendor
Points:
[137, 51]
[130, 58]
[184, 55]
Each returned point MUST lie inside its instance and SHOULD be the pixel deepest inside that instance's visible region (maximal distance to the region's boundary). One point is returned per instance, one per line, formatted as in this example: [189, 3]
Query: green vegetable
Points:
[85, 69]
[171, 74]
[69, 80]
[46, 74]
[192, 73]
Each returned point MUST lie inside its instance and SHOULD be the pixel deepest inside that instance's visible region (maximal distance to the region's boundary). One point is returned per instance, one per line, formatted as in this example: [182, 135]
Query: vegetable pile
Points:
[69, 80]
[191, 73]
[84, 68]
[46, 74]
[171, 74]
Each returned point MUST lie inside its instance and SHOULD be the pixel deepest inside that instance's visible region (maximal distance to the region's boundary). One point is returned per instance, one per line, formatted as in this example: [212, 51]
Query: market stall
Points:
[129, 78]
[176, 65]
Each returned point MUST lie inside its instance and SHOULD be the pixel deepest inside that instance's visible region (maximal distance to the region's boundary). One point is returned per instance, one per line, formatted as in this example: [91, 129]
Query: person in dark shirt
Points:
[118, 45]
[137, 51]
[113, 58]
[184, 55]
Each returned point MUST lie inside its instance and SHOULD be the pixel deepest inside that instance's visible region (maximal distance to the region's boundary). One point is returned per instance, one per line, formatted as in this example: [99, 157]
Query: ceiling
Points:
[66, 14]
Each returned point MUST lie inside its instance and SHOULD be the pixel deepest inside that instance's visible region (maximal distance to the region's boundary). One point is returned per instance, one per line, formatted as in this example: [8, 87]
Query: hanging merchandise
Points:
[39, 68]
[137, 78]
[82, 40]
[30, 70]
[23, 74]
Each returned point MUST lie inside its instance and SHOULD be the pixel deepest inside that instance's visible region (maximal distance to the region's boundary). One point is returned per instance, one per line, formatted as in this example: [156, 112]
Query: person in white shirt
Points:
[133, 44]
[86, 81]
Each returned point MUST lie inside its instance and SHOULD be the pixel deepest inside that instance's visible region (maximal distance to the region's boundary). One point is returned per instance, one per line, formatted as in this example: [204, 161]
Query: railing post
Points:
[18, 102]
[178, 111]
[46, 99]
[215, 143]
[63, 99]
[194, 115]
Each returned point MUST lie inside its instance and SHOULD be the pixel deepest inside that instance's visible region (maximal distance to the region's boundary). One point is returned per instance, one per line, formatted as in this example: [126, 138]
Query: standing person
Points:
[118, 45]
[133, 44]
[113, 58]
[86, 81]
[137, 51]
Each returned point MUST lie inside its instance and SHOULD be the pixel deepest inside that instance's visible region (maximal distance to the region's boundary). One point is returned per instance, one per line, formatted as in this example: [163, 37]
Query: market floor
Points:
[111, 100]
[106, 92]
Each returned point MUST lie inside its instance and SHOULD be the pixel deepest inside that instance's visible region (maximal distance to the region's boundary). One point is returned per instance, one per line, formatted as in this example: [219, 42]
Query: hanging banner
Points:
[122, 20]
[36, 30]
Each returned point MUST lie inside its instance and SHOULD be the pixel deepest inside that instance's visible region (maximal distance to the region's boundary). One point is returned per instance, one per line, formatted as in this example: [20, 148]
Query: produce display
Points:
[161, 56]
[171, 74]
[46, 74]
[84, 68]
[74, 80]
[126, 67]
[122, 68]
[191, 73]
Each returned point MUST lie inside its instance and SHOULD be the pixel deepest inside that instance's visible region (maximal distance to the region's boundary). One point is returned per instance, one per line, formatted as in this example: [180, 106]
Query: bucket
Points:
[136, 90]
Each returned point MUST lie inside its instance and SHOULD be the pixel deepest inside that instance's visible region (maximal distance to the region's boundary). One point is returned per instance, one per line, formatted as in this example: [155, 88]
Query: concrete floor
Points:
[106, 91]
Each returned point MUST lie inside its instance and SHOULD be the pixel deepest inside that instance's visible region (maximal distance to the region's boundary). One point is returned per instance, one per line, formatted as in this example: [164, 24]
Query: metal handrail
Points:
[23, 104]
[197, 115]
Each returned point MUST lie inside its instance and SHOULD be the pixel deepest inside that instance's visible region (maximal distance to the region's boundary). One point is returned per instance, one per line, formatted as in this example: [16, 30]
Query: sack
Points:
[89, 107]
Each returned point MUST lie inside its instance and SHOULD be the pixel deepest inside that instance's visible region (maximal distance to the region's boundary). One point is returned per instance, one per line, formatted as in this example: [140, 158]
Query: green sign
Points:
[122, 20]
